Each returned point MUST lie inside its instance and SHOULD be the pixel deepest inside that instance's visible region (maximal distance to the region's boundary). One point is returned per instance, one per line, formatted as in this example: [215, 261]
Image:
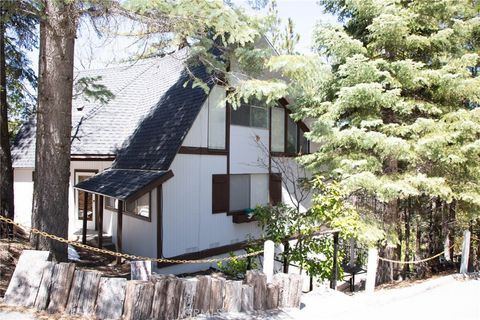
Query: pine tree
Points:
[16, 37]
[396, 114]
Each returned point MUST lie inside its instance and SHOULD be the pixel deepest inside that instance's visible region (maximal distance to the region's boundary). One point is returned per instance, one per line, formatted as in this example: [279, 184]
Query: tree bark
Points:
[54, 122]
[6, 170]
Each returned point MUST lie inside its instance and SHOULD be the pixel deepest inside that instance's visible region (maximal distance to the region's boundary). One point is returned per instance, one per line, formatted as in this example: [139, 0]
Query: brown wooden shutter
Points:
[220, 193]
[275, 188]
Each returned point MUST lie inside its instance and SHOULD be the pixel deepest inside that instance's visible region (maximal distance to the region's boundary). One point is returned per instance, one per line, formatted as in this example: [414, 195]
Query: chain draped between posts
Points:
[174, 261]
[126, 255]
[415, 261]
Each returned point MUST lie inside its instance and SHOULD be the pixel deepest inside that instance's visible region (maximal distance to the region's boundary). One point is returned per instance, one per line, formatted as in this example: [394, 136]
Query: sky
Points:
[92, 52]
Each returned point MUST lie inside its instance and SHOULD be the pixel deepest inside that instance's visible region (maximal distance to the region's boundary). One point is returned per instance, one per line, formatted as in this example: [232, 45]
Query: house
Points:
[166, 169]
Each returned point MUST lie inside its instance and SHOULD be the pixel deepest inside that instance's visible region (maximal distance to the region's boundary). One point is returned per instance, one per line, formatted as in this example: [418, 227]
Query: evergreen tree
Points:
[17, 36]
[395, 115]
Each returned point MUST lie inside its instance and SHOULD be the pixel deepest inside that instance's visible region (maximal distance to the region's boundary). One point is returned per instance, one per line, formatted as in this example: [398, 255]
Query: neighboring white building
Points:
[185, 167]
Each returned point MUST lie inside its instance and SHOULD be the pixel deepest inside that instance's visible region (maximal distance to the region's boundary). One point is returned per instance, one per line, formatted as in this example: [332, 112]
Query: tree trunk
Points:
[54, 121]
[406, 267]
[6, 170]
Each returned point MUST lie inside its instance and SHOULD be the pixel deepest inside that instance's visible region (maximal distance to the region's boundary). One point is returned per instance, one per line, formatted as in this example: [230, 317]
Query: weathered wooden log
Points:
[140, 270]
[295, 294]
[83, 293]
[204, 293]
[258, 280]
[233, 296]
[138, 300]
[186, 305]
[25, 282]
[282, 281]
[60, 289]
[110, 298]
[174, 285]
[160, 295]
[272, 296]
[247, 298]
[216, 298]
[41, 301]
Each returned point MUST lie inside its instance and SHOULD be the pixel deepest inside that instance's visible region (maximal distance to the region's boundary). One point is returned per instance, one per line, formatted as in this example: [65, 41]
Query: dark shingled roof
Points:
[124, 184]
[151, 113]
[160, 134]
[144, 126]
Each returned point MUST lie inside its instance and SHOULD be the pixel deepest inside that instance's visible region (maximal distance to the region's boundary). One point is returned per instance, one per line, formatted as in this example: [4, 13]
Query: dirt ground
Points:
[10, 251]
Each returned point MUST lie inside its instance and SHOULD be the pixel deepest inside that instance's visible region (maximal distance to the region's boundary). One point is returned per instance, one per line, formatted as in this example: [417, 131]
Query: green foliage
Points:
[312, 250]
[20, 38]
[91, 89]
[394, 96]
[237, 267]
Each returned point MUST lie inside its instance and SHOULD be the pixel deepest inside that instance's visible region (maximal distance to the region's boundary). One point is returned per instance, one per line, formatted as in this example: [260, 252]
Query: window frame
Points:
[226, 124]
[76, 195]
[129, 213]
[250, 119]
[299, 135]
[228, 187]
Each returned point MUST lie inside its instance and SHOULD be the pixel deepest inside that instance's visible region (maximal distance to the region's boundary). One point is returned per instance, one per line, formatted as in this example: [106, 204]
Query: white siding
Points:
[197, 135]
[248, 150]
[140, 236]
[291, 171]
[74, 223]
[23, 193]
[188, 222]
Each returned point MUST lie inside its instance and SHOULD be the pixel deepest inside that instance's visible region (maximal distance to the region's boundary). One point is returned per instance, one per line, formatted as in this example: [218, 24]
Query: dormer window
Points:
[253, 114]
[288, 136]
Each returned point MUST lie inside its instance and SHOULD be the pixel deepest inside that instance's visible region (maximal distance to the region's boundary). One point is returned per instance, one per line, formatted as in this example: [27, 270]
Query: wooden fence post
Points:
[268, 255]
[333, 281]
[371, 270]
[465, 252]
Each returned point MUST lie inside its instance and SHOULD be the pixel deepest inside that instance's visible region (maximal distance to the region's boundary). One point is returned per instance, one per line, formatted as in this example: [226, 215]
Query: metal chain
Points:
[126, 255]
[415, 261]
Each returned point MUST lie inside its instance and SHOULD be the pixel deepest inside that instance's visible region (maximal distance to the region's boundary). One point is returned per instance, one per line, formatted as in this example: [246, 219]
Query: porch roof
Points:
[124, 184]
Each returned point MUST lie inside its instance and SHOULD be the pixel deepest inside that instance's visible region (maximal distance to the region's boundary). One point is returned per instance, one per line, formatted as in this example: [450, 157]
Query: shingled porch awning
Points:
[124, 184]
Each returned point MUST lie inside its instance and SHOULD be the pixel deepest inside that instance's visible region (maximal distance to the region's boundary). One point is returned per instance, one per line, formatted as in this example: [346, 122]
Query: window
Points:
[294, 136]
[304, 146]
[292, 146]
[139, 207]
[239, 192]
[251, 115]
[278, 130]
[80, 195]
[217, 114]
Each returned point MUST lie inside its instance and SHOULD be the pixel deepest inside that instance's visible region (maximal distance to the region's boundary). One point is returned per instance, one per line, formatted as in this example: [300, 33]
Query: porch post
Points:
[85, 217]
[119, 228]
[333, 282]
[100, 220]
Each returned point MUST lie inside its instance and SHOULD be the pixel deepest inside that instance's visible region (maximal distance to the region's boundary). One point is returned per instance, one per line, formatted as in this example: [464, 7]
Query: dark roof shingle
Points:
[124, 184]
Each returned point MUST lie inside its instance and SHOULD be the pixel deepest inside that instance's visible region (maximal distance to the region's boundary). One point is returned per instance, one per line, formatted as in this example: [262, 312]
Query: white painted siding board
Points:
[189, 224]
[258, 190]
[139, 236]
[23, 192]
[246, 154]
[197, 135]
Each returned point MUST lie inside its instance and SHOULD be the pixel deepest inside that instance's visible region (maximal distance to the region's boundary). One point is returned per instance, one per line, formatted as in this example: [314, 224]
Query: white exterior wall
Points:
[74, 223]
[248, 150]
[188, 222]
[23, 195]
